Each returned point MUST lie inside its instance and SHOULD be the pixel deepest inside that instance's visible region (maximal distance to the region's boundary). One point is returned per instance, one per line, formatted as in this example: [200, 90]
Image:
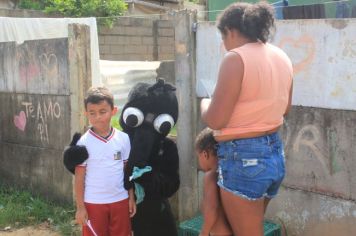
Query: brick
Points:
[117, 49]
[104, 49]
[134, 57]
[121, 57]
[111, 39]
[147, 23]
[123, 21]
[119, 30]
[141, 22]
[165, 41]
[104, 30]
[165, 56]
[134, 40]
[130, 31]
[146, 57]
[150, 49]
[123, 40]
[147, 40]
[166, 49]
[110, 57]
[136, 49]
[165, 24]
[165, 32]
[116, 40]
[144, 31]
[101, 39]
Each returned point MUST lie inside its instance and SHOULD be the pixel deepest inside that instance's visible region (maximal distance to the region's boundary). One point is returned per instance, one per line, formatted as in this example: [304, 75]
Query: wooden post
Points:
[186, 127]
[80, 75]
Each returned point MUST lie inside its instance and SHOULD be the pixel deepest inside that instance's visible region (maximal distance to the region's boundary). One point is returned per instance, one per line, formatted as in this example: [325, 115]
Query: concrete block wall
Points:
[137, 39]
[24, 13]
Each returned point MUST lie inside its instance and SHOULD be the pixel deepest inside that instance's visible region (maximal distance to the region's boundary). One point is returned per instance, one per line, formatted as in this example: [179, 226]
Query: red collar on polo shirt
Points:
[104, 139]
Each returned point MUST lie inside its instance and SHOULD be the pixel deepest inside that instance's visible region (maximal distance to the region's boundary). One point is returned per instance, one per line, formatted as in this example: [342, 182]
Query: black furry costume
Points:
[147, 117]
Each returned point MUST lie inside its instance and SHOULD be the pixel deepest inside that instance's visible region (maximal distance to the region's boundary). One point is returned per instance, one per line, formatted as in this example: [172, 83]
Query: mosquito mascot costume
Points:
[152, 169]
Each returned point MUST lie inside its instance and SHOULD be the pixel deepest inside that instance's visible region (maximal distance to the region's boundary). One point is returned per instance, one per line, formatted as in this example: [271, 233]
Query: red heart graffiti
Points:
[20, 121]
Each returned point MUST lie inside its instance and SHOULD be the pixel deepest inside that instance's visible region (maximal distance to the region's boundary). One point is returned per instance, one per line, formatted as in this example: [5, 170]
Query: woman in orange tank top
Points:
[252, 94]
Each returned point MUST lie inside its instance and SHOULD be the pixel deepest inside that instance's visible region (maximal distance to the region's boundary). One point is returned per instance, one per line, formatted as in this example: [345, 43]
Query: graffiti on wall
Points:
[320, 153]
[309, 138]
[27, 64]
[33, 66]
[40, 114]
[303, 49]
[49, 65]
[20, 121]
[36, 66]
[322, 57]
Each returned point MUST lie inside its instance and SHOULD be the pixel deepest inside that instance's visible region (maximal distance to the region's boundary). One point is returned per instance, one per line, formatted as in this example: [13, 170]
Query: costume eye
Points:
[163, 123]
[133, 117]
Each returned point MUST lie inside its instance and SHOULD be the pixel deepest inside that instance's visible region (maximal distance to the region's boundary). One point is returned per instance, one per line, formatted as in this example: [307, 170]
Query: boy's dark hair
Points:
[205, 141]
[252, 20]
[96, 95]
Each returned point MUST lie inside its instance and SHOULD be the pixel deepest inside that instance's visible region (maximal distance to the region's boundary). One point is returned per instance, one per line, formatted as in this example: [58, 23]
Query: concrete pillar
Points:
[186, 127]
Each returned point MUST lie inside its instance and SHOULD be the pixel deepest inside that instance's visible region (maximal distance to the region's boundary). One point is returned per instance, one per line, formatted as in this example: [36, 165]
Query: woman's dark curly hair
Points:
[252, 20]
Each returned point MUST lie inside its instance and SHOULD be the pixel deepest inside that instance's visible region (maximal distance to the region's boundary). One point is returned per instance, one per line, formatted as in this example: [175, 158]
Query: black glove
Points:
[74, 155]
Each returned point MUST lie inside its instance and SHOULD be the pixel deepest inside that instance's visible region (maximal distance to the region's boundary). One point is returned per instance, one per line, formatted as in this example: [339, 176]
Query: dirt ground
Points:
[29, 231]
[38, 230]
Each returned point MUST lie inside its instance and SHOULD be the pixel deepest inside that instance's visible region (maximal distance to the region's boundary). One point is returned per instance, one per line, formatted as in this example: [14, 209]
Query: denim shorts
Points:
[251, 168]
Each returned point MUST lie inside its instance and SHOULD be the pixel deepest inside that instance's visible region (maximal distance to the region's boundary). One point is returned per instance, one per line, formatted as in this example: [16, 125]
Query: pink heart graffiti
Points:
[20, 121]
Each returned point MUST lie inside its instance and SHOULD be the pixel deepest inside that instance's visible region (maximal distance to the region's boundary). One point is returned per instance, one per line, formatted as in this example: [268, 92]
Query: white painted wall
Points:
[323, 53]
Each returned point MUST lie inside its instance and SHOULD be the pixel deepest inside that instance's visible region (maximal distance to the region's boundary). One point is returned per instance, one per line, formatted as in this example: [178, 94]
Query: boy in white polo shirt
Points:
[104, 207]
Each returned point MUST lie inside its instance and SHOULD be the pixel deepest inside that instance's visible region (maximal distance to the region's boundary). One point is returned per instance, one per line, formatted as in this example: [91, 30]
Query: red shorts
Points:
[111, 219]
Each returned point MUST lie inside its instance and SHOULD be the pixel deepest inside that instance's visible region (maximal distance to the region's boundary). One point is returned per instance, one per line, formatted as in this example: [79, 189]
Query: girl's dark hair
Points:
[205, 141]
[252, 20]
[96, 95]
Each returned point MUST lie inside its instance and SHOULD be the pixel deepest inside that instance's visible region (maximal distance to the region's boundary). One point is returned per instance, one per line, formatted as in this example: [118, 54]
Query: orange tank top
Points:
[264, 90]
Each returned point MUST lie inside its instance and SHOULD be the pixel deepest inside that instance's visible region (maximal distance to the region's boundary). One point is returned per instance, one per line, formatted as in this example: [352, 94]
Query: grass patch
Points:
[115, 122]
[20, 208]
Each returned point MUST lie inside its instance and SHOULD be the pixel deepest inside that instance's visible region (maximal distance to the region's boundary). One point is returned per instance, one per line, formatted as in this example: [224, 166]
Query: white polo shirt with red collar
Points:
[104, 179]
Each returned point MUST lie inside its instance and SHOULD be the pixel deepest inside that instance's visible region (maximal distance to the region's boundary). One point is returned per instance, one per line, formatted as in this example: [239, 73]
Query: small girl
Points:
[215, 222]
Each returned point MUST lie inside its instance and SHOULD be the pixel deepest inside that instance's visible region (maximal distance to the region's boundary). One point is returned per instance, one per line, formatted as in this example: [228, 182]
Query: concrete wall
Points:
[318, 197]
[23, 13]
[319, 133]
[40, 93]
[137, 39]
[187, 197]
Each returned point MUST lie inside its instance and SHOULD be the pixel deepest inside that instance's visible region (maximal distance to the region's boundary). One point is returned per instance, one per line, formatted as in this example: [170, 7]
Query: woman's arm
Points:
[217, 113]
[210, 204]
[289, 100]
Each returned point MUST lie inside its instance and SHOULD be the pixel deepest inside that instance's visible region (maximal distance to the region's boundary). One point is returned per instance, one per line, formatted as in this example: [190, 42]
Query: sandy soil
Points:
[38, 230]
[29, 231]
